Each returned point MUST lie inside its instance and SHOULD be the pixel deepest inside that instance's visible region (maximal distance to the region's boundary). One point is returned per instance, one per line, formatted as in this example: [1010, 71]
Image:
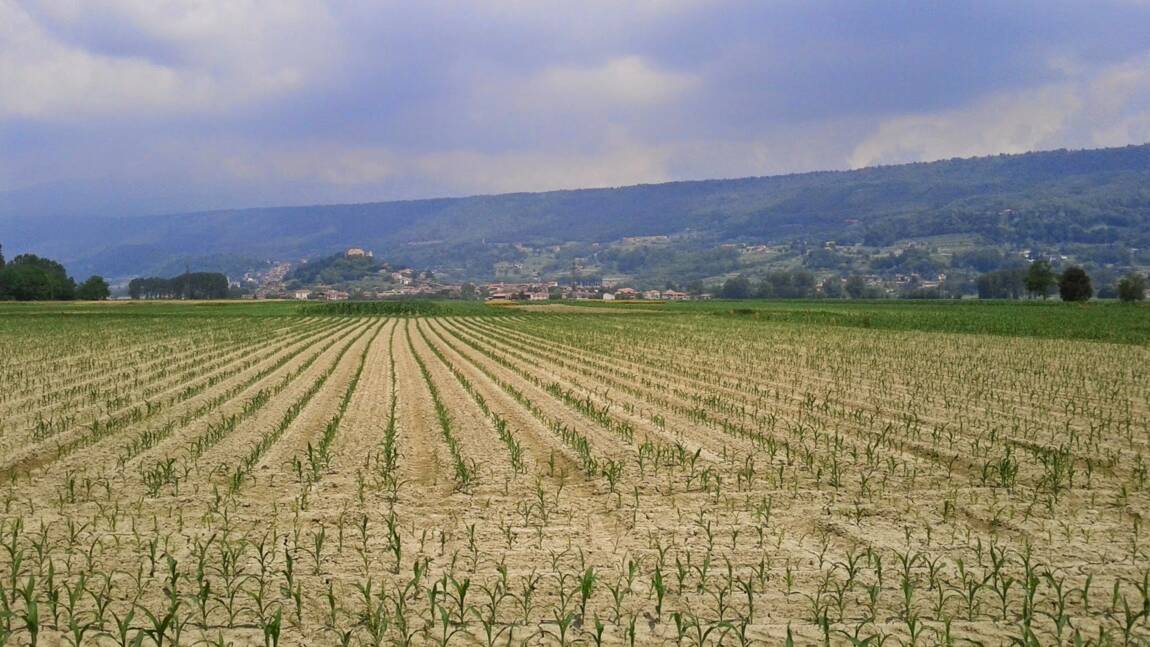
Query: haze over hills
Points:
[1091, 204]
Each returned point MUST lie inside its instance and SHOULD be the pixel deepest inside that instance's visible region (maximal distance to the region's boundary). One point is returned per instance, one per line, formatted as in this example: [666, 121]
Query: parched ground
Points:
[568, 478]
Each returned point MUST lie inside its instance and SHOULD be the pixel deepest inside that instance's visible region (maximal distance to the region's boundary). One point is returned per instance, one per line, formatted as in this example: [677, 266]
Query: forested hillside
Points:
[1093, 205]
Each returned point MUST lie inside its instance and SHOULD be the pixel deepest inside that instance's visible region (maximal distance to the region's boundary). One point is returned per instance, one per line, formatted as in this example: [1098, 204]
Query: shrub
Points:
[1074, 285]
[1132, 288]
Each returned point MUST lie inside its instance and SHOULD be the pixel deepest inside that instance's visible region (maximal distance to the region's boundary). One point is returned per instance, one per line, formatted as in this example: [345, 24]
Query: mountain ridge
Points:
[1098, 191]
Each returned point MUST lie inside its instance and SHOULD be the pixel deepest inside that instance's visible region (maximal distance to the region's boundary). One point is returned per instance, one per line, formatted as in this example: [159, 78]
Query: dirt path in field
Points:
[932, 458]
[585, 370]
[276, 480]
[542, 448]
[656, 386]
[604, 445]
[550, 373]
[364, 425]
[425, 461]
[278, 367]
[695, 431]
[228, 451]
[477, 436]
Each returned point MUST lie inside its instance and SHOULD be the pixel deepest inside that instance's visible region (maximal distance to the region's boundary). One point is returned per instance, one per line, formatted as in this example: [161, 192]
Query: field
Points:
[697, 474]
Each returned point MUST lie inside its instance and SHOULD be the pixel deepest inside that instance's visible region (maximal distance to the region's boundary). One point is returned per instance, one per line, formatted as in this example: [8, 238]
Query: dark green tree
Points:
[738, 287]
[1040, 279]
[1132, 288]
[833, 287]
[855, 287]
[31, 278]
[191, 285]
[1074, 285]
[94, 289]
[782, 284]
[1002, 284]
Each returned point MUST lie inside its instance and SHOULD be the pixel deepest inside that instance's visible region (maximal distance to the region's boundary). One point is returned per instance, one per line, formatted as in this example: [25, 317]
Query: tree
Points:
[31, 278]
[833, 287]
[94, 289]
[1002, 284]
[855, 287]
[1, 257]
[1040, 279]
[802, 285]
[1132, 288]
[738, 287]
[191, 285]
[781, 284]
[1074, 285]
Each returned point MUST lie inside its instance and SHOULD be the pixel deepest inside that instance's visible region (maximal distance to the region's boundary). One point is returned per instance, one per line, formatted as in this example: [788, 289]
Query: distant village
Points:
[409, 283]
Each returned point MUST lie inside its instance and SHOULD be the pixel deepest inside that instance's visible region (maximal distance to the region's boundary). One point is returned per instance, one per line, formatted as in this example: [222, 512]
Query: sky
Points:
[121, 107]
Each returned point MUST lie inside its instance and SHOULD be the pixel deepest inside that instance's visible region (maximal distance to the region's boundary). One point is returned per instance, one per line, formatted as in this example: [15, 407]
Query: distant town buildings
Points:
[408, 283]
[628, 293]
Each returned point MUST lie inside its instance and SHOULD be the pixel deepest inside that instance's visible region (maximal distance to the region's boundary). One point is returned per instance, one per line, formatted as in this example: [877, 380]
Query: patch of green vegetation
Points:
[244, 308]
[1097, 321]
[599, 304]
[337, 269]
[1110, 322]
[403, 308]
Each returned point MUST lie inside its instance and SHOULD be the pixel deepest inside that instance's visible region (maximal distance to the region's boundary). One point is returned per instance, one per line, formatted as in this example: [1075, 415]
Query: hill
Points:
[1092, 205]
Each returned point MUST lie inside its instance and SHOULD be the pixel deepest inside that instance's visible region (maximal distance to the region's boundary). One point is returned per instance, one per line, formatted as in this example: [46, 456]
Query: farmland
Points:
[271, 475]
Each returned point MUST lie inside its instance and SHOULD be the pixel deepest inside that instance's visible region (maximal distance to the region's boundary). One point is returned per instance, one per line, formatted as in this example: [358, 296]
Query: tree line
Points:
[1039, 279]
[798, 284]
[189, 285]
[29, 277]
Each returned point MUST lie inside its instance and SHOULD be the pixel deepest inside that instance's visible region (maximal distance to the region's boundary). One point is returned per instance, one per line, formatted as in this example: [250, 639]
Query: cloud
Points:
[66, 60]
[218, 103]
[455, 172]
[1010, 123]
[627, 81]
[1106, 107]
